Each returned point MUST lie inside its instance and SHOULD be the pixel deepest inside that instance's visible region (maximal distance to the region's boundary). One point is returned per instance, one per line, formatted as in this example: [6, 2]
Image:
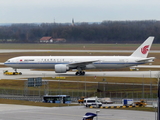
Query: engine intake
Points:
[60, 68]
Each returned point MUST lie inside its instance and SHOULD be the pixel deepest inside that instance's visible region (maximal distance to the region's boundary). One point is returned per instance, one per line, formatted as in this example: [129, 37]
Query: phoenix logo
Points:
[144, 50]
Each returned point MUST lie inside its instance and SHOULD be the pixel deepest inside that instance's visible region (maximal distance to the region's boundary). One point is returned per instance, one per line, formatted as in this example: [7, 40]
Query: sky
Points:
[63, 11]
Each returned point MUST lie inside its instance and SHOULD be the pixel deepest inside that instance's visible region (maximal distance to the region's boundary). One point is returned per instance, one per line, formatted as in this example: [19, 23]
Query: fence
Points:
[116, 91]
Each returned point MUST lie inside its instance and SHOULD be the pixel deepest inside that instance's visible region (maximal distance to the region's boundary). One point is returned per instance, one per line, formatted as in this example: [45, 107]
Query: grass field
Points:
[77, 87]
[76, 46]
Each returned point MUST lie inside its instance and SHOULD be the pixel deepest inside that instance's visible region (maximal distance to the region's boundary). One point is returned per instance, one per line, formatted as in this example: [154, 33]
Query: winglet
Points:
[144, 48]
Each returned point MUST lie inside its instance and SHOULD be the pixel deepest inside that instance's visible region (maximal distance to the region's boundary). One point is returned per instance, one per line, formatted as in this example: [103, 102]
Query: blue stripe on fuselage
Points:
[69, 63]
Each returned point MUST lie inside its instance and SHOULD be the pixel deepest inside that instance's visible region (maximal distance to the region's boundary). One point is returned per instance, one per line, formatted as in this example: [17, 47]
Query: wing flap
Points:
[82, 63]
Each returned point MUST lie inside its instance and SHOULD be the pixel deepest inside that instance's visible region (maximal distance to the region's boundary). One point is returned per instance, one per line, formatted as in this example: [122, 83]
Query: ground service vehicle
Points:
[11, 73]
[65, 99]
[92, 102]
[81, 100]
[127, 102]
[106, 101]
[142, 103]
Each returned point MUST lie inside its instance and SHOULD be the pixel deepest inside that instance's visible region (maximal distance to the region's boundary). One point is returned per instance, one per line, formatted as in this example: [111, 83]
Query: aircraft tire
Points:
[77, 73]
[82, 73]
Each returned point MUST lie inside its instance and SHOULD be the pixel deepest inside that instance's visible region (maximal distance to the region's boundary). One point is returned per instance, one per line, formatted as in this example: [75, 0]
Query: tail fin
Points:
[143, 49]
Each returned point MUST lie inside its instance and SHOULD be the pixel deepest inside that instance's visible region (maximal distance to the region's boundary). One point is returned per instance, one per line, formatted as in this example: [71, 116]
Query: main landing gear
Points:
[80, 73]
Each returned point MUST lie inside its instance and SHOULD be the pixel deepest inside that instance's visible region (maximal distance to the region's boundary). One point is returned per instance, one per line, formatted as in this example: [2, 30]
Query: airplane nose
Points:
[6, 62]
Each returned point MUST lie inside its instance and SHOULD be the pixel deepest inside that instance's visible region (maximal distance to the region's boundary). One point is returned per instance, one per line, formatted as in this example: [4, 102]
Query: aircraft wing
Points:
[151, 59]
[82, 63]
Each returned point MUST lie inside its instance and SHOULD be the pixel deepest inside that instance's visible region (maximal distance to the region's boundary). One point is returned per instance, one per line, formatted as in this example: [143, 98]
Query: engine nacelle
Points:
[60, 68]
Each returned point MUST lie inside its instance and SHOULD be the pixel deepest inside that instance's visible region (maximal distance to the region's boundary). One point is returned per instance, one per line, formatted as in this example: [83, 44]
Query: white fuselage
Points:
[62, 64]
[49, 62]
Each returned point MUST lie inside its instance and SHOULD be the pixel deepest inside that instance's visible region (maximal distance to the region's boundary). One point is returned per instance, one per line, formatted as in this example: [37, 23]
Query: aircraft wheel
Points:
[82, 73]
[77, 73]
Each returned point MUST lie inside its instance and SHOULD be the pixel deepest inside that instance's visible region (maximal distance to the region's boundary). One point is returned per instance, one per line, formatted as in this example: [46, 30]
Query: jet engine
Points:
[60, 68]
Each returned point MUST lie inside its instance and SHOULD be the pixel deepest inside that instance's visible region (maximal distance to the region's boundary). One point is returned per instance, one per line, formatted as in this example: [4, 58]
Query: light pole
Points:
[97, 111]
[158, 101]
[104, 87]
[85, 85]
[150, 85]
[143, 88]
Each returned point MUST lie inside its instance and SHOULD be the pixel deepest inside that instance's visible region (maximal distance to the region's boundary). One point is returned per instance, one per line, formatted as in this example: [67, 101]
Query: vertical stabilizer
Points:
[144, 48]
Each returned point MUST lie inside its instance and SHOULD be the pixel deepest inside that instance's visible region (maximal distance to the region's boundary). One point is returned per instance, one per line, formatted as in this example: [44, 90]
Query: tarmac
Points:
[22, 112]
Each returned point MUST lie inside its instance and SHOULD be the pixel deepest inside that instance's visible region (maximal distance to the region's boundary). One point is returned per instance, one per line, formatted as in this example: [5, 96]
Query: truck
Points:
[141, 103]
[81, 100]
[127, 102]
[6, 72]
[92, 102]
[106, 101]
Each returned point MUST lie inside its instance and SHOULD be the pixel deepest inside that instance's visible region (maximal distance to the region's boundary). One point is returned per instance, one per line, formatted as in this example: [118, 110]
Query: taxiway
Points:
[27, 73]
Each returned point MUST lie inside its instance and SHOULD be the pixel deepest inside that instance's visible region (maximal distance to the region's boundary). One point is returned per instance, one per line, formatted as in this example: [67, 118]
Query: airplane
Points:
[62, 64]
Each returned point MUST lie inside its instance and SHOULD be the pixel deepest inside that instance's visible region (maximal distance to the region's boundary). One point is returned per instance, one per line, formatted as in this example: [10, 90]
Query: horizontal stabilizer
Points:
[150, 59]
[146, 66]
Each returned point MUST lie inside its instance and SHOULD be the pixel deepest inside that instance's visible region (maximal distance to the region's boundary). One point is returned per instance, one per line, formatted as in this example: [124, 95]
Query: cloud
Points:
[81, 10]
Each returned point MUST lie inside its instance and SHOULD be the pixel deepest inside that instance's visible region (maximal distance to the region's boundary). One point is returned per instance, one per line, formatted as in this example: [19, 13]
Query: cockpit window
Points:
[8, 61]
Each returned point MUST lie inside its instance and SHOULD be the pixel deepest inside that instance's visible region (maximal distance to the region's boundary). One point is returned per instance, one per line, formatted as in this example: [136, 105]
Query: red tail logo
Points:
[144, 50]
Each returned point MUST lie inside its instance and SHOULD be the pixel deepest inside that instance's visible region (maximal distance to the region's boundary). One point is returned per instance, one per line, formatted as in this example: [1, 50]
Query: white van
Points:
[92, 102]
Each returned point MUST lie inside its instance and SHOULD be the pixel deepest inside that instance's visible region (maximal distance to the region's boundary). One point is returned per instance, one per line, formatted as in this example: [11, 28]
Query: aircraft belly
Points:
[110, 66]
[106, 66]
[32, 66]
